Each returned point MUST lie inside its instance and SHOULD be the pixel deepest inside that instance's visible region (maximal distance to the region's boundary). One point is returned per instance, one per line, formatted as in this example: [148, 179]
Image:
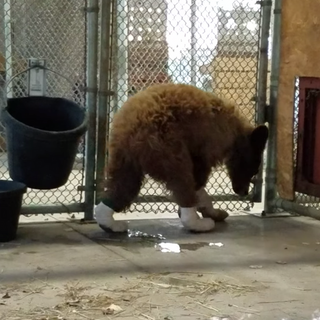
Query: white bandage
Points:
[189, 216]
[205, 206]
[191, 220]
[104, 217]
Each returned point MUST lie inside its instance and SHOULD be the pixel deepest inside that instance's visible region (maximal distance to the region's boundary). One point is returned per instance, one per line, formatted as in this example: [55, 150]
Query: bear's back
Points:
[180, 108]
[162, 100]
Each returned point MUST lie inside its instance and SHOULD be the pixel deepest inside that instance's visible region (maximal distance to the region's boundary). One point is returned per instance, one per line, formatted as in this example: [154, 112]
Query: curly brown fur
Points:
[176, 133]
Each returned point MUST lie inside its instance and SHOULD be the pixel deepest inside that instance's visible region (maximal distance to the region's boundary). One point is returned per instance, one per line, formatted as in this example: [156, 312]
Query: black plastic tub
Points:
[42, 136]
[11, 195]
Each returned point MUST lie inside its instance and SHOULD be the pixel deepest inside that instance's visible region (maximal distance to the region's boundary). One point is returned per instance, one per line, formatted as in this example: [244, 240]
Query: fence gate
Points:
[54, 30]
[212, 44]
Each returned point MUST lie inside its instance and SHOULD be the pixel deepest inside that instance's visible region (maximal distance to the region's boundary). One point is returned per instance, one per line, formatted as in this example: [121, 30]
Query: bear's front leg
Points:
[205, 207]
[104, 217]
[187, 213]
[174, 166]
[191, 221]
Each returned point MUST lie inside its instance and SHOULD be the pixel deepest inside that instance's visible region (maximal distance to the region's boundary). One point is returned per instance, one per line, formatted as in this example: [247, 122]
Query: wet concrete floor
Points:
[247, 268]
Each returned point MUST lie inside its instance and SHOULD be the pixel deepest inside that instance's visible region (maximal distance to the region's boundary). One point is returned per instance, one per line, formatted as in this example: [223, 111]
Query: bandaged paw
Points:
[191, 221]
[217, 215]
[205, 207]
[104, 218]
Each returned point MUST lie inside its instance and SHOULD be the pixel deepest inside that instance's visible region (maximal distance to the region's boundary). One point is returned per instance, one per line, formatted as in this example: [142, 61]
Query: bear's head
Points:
[245, 159]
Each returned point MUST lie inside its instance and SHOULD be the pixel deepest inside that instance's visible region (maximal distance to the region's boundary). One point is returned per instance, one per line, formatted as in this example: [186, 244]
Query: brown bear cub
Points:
[176, 133]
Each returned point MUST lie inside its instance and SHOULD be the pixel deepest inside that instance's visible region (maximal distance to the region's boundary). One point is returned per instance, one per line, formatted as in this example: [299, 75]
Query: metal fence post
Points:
[92, 66]
[193, 51]
[122, 52]
[290, 206]
[103, 99]
[271, 174]
[262, 82]
[8, 45]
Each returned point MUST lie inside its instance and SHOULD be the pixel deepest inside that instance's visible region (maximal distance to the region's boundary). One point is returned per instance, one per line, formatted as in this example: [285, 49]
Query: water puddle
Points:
[177, 248]
[167, 247]
[193, 246]
[135, 239]
[130, 236]
[144, 235]
[131, 241]
[216, 244]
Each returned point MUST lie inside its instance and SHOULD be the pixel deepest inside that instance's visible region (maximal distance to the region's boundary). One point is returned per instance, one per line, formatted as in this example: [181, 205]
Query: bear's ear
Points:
[259, 137]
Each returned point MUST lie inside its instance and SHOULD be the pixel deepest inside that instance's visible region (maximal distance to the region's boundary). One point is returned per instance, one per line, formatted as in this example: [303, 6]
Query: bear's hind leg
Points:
[124, 181]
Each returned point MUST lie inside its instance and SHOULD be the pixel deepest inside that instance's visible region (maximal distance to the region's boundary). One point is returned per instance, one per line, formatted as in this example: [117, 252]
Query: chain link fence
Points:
[211, 44]
[54, 30]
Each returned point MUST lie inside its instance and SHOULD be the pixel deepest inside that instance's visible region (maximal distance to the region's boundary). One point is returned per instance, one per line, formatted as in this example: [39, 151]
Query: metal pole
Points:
[103, 101]
[8, 45]
[122, 52]
[59, 208]
[271, 173]
[296, 208]
[114, 58]
[193, 50]
[92, 66]
[262, 83]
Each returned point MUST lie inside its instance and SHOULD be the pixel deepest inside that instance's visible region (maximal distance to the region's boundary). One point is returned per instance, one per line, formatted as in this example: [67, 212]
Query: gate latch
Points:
[36, 77]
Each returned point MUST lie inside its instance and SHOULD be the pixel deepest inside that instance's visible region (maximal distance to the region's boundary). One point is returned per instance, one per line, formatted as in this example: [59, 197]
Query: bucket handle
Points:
[41, 67]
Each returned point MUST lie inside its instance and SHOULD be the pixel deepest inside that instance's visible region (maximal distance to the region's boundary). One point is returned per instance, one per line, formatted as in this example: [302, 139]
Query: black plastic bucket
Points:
[11, 195]
[42, 136]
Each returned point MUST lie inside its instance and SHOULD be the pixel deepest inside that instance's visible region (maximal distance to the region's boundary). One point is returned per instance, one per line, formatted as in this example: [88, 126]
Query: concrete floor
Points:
[248, 268]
